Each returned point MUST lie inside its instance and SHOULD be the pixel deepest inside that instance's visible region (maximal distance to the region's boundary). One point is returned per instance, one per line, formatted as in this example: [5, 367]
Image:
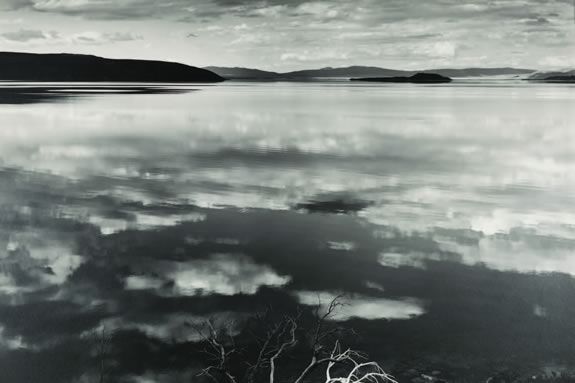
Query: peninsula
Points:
[86, 68]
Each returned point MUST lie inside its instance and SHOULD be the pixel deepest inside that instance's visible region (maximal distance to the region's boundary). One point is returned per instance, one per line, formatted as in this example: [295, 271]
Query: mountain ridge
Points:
[242, 73]
[541, 75]
[68, 67]
[359, 71]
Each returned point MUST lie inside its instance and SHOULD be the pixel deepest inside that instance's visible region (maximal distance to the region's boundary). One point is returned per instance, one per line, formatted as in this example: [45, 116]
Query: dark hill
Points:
[537, 76]
[356, 71]
[565, 79]
[74, 68]
[352, 71]
[418, 78]
[238, 73]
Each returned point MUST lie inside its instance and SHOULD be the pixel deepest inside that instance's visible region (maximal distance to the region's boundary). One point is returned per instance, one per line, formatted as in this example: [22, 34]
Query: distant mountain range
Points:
[16, 66]
[419, 78]
[357, 72]
[74, 68]
[352, 71]
[550, 75]
[242, 73]
[561, 79]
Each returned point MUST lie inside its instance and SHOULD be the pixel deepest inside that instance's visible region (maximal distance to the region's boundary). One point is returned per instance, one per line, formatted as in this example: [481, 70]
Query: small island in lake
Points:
[418, 78]
[561, 79]
[85, 68]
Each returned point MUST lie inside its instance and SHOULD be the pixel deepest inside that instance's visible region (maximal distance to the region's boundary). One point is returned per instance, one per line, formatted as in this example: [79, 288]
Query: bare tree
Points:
[275, 338]
[319, 334]
[101, 340]
[365, 371]
[287, 340]
[220, 347]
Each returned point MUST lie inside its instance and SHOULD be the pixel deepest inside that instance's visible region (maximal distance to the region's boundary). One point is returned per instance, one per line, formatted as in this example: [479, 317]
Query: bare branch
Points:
[291, 326]
[217, 351]
[273, 338]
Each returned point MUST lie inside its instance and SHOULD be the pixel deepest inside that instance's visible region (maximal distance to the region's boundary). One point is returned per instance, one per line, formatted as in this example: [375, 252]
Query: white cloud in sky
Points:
[297, 34]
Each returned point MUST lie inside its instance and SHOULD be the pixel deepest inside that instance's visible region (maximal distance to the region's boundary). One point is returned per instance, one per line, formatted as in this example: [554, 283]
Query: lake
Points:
[443, 214]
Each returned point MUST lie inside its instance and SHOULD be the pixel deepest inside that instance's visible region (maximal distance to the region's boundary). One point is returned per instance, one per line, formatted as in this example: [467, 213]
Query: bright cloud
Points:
[294, 34]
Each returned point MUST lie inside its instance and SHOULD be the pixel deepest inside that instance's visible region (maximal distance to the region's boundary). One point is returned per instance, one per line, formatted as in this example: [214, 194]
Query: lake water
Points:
[443, 213]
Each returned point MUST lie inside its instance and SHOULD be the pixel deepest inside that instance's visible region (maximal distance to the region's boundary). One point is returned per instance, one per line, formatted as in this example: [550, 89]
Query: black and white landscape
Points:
[287, 191]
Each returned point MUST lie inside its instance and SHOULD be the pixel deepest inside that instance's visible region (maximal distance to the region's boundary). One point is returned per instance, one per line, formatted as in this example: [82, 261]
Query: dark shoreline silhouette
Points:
[566, 76]
[418, 78]
[17, 66]
[14, 95]
[561, 79]
[75, 68]
[238, 73]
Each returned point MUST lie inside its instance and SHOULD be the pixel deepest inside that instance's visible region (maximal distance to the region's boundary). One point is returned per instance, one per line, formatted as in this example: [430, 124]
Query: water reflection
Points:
[223, 274]
[16, 93]
[442, 213]
[355, 306]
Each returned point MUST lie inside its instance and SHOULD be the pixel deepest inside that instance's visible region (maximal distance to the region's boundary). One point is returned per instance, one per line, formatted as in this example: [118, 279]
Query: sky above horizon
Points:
[285, 35]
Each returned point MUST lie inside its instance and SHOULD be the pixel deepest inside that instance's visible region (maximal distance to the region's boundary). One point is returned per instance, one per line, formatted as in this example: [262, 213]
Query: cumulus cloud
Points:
[388, 10]
[102, 38]
[26, 36]
[290, 34]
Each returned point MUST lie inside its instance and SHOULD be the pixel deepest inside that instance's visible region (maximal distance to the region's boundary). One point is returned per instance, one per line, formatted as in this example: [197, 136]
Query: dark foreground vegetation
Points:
[269, 346]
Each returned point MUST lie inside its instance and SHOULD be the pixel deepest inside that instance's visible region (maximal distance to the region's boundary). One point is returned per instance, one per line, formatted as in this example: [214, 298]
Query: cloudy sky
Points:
[294, 34]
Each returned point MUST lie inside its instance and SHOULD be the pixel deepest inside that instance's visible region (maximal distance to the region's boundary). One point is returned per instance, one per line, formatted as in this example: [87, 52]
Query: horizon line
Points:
[533, 69]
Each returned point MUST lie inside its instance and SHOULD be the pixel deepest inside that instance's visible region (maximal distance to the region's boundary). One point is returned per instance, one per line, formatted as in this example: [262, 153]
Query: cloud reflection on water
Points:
[140, 212]
[362, 307]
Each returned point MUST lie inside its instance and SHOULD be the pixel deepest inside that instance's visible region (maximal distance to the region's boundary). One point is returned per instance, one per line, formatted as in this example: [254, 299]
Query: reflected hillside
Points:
[12, 94]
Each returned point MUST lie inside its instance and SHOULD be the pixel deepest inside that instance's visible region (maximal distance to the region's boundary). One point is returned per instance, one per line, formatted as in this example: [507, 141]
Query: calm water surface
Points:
[444, 213]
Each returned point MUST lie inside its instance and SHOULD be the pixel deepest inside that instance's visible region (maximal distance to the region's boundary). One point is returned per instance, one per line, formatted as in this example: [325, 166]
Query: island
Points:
[560, 79]
[418, 78]
[239, 73]
[63, 67]
[557, 76]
